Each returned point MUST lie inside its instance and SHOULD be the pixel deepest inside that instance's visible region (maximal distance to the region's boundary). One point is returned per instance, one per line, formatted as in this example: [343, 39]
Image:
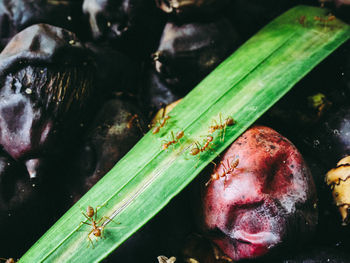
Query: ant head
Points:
[229, 121]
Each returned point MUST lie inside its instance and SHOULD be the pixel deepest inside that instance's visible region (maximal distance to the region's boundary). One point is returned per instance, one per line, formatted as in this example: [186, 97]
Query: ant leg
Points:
[223, 133]
[139, 126]
[199, 157]
[111, 220]
[102, 232]
[85, 223]
[95, 213]
[90, 240]
[163, 106]
[88, 218]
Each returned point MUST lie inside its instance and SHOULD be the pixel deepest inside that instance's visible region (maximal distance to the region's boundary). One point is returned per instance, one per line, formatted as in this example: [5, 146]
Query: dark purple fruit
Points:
[317, 254]
[47, 80]
[188, 52]
[131, 25]
[22, 209]
[154, 93]
[116, 128]
[115, 72]
[325, 87]
[19, 14]
[191, 9]
[329, 141]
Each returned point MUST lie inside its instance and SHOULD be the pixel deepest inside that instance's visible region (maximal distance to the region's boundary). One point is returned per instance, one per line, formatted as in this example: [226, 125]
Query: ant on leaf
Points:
[198, 148]
[225, 171]
[173, 139]
[97, 226]
[161, 124]
[229, 121]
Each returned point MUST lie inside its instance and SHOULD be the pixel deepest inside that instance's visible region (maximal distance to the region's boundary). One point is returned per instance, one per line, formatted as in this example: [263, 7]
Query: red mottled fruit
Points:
[268, 200]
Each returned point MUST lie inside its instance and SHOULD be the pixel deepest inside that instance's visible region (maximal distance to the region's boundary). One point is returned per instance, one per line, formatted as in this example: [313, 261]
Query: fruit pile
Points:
[80, 81]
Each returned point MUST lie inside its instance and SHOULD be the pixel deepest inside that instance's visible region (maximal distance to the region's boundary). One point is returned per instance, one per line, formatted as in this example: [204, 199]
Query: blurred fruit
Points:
[329, 140]
[115, 72]
[16, 15]
[191, 9]
[188, 52]
[131, 25]
[154, 93]
[116, 128]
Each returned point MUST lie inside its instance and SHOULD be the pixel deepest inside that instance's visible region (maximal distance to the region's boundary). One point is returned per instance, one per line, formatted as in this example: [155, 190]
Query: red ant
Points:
[161, 124]
[302, 20]
[133, 117]
[221, 126]
[130, 122]
[173, 140]
[8, 260]
[97, 230]
[324, 20]
[226, 170]
[198, 149]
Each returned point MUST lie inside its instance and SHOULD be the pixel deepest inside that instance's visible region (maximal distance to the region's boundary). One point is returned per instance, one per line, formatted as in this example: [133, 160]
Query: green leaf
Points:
[244, 86]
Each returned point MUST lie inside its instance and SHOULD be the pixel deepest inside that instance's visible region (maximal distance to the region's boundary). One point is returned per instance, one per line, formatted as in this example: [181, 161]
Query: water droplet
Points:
[316, 143]
[28, 91]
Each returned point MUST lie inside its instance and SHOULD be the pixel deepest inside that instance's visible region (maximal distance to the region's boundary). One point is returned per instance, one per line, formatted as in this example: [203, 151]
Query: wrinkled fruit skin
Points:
[188, 52]
[268, 200]
[132, 24]
[42, 104]
[156, 93]
[19, 14]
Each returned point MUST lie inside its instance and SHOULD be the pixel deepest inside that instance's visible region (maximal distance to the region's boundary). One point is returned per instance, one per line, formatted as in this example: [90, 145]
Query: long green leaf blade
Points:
[244, 86]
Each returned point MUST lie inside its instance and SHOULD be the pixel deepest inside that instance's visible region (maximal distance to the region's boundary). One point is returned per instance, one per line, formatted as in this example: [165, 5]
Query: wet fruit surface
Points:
[39, 103]
[269, 199]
